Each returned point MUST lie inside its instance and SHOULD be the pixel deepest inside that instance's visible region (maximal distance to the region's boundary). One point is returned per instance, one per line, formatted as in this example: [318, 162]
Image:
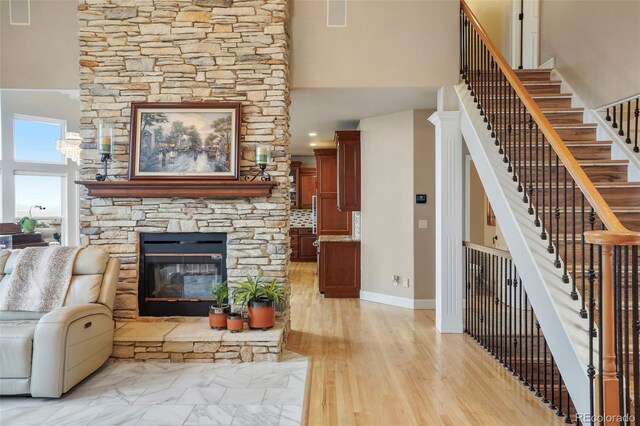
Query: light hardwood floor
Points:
[374, 364]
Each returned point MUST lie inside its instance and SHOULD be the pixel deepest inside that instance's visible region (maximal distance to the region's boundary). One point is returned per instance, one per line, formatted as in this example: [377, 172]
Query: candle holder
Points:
[263, 157]
[105, 148]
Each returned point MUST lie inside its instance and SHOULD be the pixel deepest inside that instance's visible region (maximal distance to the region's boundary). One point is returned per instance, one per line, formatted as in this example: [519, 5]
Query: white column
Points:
[449, 221]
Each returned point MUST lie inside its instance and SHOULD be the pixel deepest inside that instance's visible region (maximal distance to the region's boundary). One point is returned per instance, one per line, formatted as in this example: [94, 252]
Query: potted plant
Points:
[261, 299]
[28, 223]
[234, 322]
[219, 309]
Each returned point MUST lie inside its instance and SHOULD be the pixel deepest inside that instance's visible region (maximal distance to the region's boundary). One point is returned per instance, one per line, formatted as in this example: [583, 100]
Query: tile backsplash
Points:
[301, 218]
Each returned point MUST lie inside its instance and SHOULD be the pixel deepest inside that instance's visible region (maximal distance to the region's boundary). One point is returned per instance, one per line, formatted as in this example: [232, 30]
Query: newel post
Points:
[609, 379]
[610, 382]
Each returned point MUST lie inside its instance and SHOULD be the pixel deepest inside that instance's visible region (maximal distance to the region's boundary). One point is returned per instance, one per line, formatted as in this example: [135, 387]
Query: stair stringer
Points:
[557, 313]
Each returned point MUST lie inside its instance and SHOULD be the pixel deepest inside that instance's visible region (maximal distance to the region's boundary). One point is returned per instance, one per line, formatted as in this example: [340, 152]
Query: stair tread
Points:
[542, 83]
[551, 110]
[552, 95]
[575, 126]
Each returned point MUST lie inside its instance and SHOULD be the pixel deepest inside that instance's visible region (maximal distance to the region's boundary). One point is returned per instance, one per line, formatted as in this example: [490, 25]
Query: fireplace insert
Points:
[177, 271]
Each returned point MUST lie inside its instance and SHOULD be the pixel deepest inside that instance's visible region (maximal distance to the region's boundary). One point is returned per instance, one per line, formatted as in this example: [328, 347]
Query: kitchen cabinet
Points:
[294, 178]
[302, 248]
[306, 186]
[348, 169]
[330, 220]
[339, 268]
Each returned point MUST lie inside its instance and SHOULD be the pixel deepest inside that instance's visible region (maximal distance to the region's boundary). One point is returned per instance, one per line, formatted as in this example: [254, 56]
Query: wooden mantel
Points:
[178, 188]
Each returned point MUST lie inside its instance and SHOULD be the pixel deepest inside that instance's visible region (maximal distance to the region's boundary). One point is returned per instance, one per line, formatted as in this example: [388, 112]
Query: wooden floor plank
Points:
[380, 365]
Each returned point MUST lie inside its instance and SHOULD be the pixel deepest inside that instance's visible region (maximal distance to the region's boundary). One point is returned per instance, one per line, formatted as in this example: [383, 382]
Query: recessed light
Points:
[313, 134]
[313, 144]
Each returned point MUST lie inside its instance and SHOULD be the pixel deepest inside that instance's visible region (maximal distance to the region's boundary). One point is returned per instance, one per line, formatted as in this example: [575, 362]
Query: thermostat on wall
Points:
[421, 198]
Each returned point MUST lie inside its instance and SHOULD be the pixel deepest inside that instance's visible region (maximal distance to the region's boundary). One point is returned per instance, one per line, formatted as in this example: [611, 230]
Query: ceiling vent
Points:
[336, 13]
[19, 12]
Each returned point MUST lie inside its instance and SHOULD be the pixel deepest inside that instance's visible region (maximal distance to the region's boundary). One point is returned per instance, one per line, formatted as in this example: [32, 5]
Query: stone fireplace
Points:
[187, 51]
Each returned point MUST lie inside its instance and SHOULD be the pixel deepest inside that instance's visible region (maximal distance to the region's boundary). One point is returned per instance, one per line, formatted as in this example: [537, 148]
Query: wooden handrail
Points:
[488, 250]
[589, 191]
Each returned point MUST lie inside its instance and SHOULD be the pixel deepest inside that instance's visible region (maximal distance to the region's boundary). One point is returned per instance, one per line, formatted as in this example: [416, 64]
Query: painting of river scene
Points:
[183, 141]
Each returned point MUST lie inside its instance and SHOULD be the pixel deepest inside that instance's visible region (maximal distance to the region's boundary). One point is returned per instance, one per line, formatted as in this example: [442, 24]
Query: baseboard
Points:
[401, 302]
[548, 64]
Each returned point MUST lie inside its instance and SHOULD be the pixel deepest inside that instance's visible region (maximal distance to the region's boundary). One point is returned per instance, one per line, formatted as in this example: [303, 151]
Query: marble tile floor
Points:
[259, 393]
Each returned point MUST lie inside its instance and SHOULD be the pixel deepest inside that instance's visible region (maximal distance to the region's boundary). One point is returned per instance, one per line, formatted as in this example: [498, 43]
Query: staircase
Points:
[571, 219]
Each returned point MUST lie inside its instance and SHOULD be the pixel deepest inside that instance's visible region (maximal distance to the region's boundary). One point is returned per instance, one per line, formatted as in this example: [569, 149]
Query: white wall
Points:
[595, 46]
[44, 54]
[386, 43]
[393, 148]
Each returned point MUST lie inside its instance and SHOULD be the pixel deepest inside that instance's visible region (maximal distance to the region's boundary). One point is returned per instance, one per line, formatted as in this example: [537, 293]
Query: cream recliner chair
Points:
[47, 353]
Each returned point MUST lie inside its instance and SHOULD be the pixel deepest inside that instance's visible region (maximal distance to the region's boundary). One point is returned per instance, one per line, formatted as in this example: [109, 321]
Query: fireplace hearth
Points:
[177, 271]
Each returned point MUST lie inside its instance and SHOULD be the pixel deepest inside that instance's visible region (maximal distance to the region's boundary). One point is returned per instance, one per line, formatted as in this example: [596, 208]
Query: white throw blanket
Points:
[40, 279]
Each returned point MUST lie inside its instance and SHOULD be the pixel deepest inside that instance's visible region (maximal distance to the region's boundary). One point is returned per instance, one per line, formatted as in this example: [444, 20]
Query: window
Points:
[35, 173]
[34, 140]
[41, 197]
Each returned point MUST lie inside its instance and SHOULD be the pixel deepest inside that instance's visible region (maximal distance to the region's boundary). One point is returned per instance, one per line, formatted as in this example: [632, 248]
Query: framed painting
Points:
[197, 140]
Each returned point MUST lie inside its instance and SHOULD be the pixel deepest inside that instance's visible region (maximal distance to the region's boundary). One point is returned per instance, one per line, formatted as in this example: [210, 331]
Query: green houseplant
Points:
[261, 299]
[219, 309]
[28, 223]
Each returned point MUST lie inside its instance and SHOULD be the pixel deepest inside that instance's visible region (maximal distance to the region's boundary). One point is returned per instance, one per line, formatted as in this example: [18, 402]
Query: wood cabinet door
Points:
[348, 161]
[339, 269]
[307, 187]
[306, 248]
[330, 220]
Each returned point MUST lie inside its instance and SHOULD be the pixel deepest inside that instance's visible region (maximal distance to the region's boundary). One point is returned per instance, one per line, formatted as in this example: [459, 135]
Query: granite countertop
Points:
[337, 239]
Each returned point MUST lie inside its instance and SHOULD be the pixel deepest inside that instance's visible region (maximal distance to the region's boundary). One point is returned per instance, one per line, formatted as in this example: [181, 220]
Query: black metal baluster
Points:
[557, 263]
[531, 347]
[583, 310]
[538, 346]
[625, 335]
[574, 293]
[552, 403]
[615, 123]
[509, 323]
[636, 114]
[544, 372]
[530, 177]
[536, 221]
[621, 131]
[617, 295]
[494, 268]
[520, 377]
[559, 413]
[543, 231]
[550, 246]
[514, 337]
[565, 275]
[526, 338]
[600, 363]
[635, 327]
[500, 302]
[628, 139]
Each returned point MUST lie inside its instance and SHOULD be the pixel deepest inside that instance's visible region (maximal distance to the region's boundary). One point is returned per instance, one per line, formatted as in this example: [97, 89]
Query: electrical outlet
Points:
[405, 283]
[423, 224]
[395, 280]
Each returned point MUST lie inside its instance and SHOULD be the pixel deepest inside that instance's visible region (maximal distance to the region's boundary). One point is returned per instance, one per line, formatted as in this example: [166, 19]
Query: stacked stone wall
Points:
[187, 51]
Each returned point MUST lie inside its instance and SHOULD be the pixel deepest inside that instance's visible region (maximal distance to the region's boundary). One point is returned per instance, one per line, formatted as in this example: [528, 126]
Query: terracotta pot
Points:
[262, 313]
[218, 316]
[234, 322]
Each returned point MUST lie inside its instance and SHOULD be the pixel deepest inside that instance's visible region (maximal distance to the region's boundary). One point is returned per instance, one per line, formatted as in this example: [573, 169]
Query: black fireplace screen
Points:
[177, 271]
[188, 276]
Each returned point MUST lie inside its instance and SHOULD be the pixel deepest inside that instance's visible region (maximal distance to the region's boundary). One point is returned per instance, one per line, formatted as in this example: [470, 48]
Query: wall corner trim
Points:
[402, 302]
